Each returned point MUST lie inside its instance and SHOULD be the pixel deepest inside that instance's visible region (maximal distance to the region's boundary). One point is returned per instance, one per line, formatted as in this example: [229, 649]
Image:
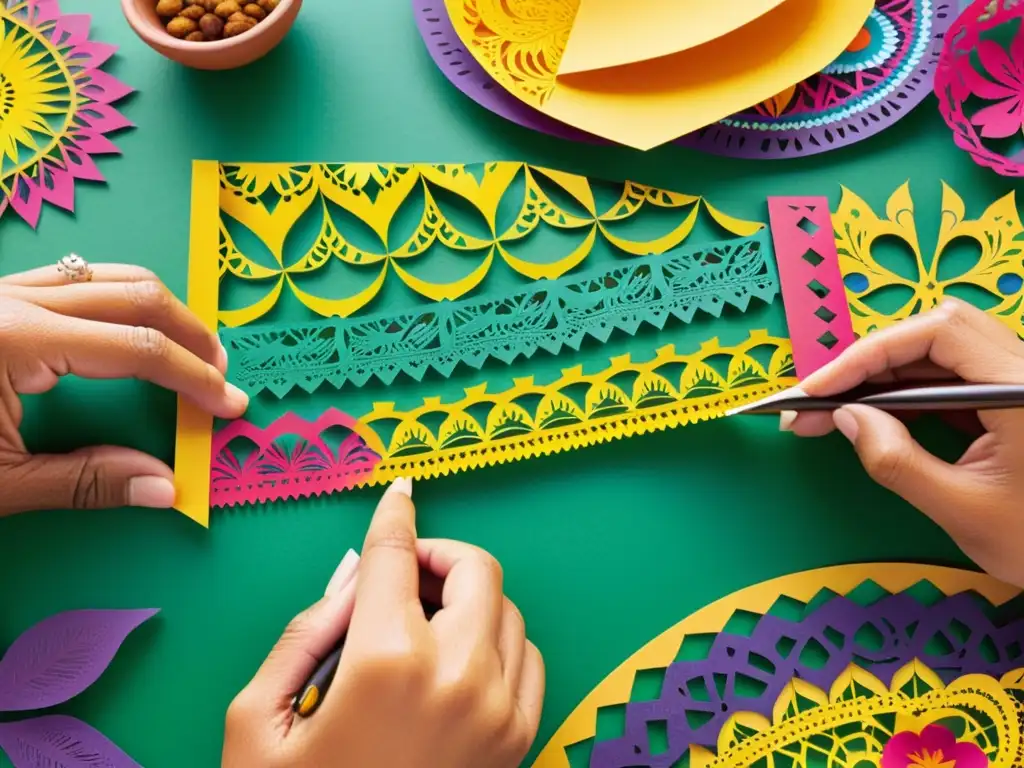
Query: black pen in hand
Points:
[308, 700]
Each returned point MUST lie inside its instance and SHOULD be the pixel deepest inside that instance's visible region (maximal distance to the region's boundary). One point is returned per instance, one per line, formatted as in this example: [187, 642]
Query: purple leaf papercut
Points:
[60, 741]
[63, 655]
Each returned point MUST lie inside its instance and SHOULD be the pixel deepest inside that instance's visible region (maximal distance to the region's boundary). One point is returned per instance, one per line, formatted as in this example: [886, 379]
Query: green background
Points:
[602, 548]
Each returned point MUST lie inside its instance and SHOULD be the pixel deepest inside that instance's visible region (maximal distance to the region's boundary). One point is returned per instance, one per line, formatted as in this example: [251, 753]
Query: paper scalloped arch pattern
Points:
[997, 80]
[482, 429]
[836, 668]
[998, 271]
[269, 200]
[551, 315]
[55, 106]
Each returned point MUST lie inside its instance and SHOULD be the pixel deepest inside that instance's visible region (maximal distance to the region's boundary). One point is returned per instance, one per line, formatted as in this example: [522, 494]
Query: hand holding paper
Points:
[122, 323]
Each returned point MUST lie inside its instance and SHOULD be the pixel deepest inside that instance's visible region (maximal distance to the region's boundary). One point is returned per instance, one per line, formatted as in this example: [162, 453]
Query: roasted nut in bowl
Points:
[211, 34]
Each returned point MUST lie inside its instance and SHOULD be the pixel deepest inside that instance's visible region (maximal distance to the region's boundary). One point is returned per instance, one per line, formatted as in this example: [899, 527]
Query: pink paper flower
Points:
[934, 747]
[1006, 88]
[55, 106]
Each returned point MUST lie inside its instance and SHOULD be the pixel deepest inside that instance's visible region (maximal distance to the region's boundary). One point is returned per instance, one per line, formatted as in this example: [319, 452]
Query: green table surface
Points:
[602, 548]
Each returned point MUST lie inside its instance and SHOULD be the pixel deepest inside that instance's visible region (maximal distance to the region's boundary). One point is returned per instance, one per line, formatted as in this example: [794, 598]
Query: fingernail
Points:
[344, 573]
[402, 485]
[786, 419]
[222, 358]
[237, 398]
[151, 491]
[846, 423]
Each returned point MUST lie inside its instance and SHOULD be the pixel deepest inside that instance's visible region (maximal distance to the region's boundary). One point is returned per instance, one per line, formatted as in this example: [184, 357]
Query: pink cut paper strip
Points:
[812, 285]
[298, 466]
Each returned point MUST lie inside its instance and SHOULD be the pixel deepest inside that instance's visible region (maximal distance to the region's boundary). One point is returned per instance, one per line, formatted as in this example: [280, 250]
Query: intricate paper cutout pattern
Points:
[880, 78]
[781, 673]
[525, 421]
[998, 79]
[844, 727]
[61, 656]
[60, 741]
[291, 459]
[269, 199]
[51, 662]
[55, 106]
[549, 315]
[812, 286]
[520, 45]
[998, 271]
[749, 673]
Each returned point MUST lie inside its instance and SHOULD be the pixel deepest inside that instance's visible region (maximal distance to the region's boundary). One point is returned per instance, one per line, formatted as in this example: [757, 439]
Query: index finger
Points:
[96, 350]
[956, 336]
[389, 574]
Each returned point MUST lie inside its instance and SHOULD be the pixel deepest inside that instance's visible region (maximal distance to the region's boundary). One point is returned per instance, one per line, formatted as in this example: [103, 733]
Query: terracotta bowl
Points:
[219, 54]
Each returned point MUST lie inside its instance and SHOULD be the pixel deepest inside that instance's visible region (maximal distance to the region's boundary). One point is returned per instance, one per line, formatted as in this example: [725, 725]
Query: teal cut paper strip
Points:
[549, 315]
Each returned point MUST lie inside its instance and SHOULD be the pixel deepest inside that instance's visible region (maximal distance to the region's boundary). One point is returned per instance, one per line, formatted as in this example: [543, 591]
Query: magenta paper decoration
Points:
[55, 106]
[48, 664]
[290, 459]
[977, 66]
[813, 293]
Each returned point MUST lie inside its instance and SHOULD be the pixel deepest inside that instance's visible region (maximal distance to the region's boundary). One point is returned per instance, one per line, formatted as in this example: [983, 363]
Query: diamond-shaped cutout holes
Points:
[825, 314]
[818, 289]
[812, 257]
[808, 226]
[828, 340]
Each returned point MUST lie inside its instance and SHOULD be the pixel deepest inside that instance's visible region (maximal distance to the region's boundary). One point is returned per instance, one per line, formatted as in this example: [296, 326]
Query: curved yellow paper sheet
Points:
[610, 33]
[662, 650]
[520, 43]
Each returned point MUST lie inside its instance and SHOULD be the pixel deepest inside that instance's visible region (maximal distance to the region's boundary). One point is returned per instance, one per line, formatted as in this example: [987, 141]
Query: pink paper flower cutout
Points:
[934, 747]
[55, 106]
[997, 78]
[1005, 117]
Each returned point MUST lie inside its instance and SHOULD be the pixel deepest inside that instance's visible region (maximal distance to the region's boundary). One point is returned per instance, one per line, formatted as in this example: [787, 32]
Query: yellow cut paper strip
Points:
[662, 650]
[194, 434]
[645, 104]
[671, 389]
[601, 38]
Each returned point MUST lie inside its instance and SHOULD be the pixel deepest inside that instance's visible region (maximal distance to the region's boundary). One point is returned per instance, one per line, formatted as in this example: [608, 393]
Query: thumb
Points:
[307, 639]
[896, 461]
[98, 477]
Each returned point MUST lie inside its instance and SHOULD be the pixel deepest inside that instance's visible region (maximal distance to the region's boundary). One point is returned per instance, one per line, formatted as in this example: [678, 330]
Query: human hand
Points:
[977, 500]
[122, 324]
[462, 689]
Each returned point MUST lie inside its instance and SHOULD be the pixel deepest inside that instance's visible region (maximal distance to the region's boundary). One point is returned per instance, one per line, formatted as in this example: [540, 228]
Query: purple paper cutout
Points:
[901, 629]
[60, 741]
[835, 108]
[63, 655]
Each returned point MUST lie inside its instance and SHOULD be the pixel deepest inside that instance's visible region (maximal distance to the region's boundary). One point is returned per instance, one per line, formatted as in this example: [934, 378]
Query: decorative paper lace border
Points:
[549, 315]
[292, 458]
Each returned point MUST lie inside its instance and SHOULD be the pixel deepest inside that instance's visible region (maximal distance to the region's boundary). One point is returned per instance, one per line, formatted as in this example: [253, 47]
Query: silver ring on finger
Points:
[75, 269]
